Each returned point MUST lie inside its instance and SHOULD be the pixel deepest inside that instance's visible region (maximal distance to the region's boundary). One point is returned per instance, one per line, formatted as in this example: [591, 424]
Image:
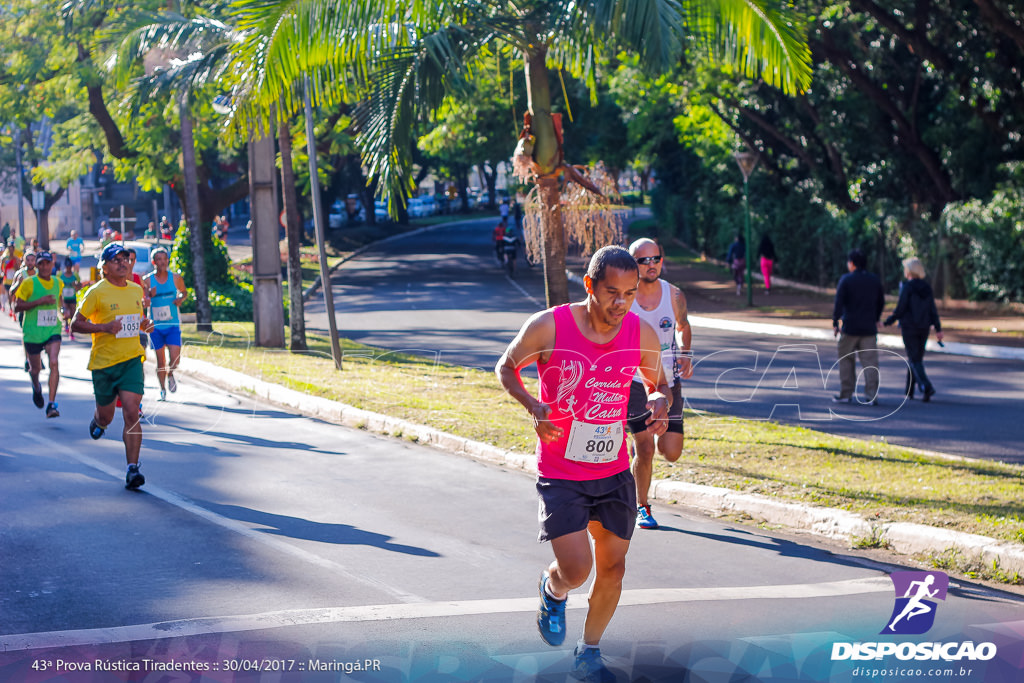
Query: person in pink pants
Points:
[767, 253]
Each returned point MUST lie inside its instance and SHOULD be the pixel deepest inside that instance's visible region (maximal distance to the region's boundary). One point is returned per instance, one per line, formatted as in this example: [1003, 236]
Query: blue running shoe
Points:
[644, 518]
[550, 615]
[590, 668]
[95, 431]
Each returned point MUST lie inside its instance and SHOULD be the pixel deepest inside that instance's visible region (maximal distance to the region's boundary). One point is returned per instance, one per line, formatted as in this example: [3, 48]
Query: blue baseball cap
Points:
[43, 256]
[110, 252]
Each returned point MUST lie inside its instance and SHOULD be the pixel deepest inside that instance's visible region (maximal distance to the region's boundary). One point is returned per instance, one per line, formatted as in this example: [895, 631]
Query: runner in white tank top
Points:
[586, 353]
[663, 306]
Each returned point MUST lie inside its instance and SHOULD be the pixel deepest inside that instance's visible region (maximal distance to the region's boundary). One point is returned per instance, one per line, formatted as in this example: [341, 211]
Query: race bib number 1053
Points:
[130, 325]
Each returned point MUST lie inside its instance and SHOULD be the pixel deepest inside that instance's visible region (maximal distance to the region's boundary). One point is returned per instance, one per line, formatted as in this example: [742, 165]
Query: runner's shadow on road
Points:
[304, 529]
[258, 442]
[782, 547]
[254, 412]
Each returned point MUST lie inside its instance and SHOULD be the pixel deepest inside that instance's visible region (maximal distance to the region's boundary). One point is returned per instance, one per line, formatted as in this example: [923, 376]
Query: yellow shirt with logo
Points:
[104, 303]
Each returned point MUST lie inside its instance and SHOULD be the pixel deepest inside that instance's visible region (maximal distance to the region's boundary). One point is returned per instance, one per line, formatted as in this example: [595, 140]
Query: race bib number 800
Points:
[130, 325]
[594, 443]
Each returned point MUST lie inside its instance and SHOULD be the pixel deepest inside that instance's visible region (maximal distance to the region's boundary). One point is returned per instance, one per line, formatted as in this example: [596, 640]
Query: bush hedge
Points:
[230, 298]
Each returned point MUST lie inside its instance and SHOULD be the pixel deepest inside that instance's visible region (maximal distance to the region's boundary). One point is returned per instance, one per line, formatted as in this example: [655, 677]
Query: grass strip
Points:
[877, 480]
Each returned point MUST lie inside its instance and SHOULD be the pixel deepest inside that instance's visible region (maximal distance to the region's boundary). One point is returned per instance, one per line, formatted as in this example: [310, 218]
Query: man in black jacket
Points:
[859, 304]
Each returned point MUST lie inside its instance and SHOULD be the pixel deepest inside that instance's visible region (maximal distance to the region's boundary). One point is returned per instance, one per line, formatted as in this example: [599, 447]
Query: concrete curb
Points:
[831, 523]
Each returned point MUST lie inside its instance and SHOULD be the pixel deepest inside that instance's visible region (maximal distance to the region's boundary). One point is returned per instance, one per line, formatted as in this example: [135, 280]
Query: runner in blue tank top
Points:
[166, 293]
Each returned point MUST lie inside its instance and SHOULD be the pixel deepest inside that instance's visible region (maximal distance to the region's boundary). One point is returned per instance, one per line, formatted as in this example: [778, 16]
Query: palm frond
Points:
[158, 38]
[766, 39]
[188, 76]
[401, 90]
[652, 29]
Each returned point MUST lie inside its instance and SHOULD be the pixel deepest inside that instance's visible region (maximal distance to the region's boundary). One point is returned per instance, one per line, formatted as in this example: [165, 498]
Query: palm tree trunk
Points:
[293, 232]
[204, 313]
[547, 155]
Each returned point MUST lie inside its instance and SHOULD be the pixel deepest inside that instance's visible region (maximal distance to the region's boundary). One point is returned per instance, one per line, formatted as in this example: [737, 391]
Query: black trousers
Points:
[914, 342]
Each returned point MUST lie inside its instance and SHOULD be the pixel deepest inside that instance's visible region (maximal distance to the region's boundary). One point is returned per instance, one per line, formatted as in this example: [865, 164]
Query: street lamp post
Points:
[747, 161]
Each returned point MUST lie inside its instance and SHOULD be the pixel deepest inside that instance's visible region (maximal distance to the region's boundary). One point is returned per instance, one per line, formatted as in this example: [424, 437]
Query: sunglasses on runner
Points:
[645, 260]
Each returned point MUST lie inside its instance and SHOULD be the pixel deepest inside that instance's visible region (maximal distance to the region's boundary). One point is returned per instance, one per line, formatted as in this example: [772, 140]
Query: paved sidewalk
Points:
[710, 292]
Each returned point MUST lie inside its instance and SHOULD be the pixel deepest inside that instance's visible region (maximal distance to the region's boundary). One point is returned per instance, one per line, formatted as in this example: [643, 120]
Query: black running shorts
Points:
[567, 506]
[34, 349]
[637, 411]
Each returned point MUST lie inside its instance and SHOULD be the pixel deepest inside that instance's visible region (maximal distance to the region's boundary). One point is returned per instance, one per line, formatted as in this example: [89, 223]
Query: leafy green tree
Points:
[916, 107]
[940, 83]
[40, 106]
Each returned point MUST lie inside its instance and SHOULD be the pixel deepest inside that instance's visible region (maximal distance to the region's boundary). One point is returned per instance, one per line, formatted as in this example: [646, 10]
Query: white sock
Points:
[581, 646]
[547, 591]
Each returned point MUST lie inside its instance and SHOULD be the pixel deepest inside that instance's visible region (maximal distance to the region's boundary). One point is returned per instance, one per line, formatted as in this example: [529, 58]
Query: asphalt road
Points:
[270, 547]
[440, 293]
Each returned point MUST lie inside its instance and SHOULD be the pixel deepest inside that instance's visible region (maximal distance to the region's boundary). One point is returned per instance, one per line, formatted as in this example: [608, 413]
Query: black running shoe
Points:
[95, 431]
[37, 397]
[133, 479]
[51, 410]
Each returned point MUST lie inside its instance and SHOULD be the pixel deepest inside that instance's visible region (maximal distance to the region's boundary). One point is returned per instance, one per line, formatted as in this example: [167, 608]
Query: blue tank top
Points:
[162, 310]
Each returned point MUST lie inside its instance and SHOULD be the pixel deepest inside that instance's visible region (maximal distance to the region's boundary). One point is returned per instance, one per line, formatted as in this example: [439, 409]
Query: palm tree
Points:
[402, 57]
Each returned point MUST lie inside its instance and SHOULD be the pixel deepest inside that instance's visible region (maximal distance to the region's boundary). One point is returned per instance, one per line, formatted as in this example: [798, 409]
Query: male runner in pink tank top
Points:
[587, 354]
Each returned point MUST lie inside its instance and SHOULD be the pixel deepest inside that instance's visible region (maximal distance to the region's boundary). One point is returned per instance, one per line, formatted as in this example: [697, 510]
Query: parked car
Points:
[143, 266]
[380, 211]
[346, 212]
[420, 207]
[336, 216]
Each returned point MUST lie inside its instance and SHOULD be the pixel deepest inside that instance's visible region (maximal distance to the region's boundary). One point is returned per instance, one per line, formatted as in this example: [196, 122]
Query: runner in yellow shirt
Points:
[37, 298]
[112, 311]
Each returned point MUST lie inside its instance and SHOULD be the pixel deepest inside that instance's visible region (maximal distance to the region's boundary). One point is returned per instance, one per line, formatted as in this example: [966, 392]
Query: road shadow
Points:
[307, 530]
[780, 546]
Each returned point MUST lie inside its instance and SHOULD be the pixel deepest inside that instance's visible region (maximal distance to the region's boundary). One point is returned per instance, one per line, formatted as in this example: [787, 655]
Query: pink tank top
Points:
[587, 386]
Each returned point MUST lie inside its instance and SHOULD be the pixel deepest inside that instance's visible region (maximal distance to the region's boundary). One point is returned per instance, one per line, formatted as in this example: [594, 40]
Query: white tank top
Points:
[663, 320]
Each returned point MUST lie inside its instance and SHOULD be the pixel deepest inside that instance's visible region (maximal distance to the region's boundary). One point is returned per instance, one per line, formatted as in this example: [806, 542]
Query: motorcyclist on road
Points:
[499, 237]
[510, 245]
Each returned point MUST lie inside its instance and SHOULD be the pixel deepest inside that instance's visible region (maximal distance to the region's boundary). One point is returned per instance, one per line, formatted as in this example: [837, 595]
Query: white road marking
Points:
[423, 610]
[523, 291]
[235, 526]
